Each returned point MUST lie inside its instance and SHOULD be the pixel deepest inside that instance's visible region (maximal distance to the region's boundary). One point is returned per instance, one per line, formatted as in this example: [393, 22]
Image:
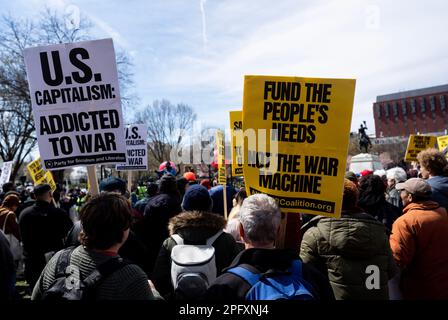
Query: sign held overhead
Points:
[76, 103]
[297, 133]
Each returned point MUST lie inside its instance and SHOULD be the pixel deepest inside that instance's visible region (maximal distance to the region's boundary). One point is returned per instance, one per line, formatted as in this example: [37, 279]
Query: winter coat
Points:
[344, 249]
[419, 243]
[43, 228]
[7, 271]
[439, 186]
[11, 226]
[194, 228]
[159, 210]
[230, 287]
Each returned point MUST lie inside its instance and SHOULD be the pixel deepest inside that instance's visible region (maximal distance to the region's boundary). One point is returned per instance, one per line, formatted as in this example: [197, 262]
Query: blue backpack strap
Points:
[296, 270]
[250, 277]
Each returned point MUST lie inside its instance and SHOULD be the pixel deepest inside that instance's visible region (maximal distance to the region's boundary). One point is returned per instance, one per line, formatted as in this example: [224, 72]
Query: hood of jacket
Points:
[195, 226]
[355, 234]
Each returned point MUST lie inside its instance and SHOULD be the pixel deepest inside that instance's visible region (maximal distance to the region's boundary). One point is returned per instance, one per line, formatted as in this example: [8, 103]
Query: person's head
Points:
[414, 190]
[8, 186]
[260, 220]
[11, 202]
[351, 176]
[206, 183]
[43, 192]
[105, 221]
[366, 172]
[395, 175]
[113, 184]
[371, 190]
[151, 189]
[197, 198]
[432, 163]
[167, 184]
[239, 197]
[190, 176]
[351, 194]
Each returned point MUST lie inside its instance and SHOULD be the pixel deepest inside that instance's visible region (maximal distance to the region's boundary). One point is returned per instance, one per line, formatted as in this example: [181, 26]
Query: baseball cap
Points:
[415, 186]
[113, 184]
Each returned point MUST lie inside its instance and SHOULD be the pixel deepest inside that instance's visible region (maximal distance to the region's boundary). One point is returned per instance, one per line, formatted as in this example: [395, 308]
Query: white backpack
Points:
[193, 267]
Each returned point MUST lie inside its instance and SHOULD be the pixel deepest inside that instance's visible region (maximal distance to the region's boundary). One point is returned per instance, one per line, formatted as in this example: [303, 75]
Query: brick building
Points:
[410, 112]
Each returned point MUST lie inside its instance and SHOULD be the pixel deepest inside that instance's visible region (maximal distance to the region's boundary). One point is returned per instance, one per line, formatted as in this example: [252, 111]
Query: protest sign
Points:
[35, 169]
[6, 172]
[76, 103]
[222, 172]
[136, 148]
[48, 179]
[220, 145]
[417, 143]
[297, 133]
[40, 175]
[442, 143]
[236, 131]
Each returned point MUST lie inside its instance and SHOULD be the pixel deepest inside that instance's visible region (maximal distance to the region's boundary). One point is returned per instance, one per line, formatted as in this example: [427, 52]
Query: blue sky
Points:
[197, 52]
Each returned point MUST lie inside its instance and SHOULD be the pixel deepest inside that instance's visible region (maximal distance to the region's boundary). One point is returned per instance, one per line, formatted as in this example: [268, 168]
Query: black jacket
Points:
[158, 212]
[231, 287]
[194, 228]
[43, 228]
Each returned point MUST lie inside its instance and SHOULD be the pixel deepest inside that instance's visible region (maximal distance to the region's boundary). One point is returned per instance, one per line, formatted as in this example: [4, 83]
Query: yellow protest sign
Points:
[417, 143]
[236, 130]
[39, 175]
[35, 169]
[48, 179]
[442, 142]
[297, 132]
[220, 144]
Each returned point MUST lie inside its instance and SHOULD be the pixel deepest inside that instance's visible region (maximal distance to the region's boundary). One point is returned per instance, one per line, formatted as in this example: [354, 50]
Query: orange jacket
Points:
[419, 243]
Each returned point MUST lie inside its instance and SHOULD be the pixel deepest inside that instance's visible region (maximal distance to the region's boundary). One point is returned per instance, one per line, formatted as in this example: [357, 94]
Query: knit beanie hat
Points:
[197, 198]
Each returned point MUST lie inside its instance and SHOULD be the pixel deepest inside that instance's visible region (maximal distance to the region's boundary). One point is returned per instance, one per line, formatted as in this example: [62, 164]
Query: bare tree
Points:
[17, 130]
[166, 125]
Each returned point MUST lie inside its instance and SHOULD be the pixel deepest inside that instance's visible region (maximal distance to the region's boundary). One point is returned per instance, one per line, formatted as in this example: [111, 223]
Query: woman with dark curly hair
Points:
[434, 168]
[372, 198]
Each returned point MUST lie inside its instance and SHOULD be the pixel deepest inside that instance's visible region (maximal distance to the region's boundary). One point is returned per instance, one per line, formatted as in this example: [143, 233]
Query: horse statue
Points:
[364, 140]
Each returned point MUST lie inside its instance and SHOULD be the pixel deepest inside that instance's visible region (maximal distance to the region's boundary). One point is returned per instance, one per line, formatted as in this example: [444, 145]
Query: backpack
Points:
[69, 286]
[274, 284]
[193, 267]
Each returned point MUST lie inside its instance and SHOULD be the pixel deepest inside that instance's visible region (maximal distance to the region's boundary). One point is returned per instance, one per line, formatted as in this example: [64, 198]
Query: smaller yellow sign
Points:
[35, 169]
[417, 143]
[48, 179]
[39, 175]
[236, 130]
[220, 144]
[442, 142]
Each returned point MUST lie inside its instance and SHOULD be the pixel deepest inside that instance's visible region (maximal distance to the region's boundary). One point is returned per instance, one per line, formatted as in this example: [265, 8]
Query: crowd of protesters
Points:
[391, 222]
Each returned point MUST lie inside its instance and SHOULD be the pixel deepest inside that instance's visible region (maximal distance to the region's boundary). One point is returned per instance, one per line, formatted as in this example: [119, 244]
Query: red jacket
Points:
[419, 243]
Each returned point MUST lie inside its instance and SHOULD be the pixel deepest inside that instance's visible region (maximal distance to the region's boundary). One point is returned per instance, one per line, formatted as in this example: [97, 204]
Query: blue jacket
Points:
[439, 185]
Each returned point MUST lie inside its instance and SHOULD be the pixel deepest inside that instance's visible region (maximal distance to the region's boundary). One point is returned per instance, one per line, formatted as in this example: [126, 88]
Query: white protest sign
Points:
[136, 148]
[6, 172]
[76, 103]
